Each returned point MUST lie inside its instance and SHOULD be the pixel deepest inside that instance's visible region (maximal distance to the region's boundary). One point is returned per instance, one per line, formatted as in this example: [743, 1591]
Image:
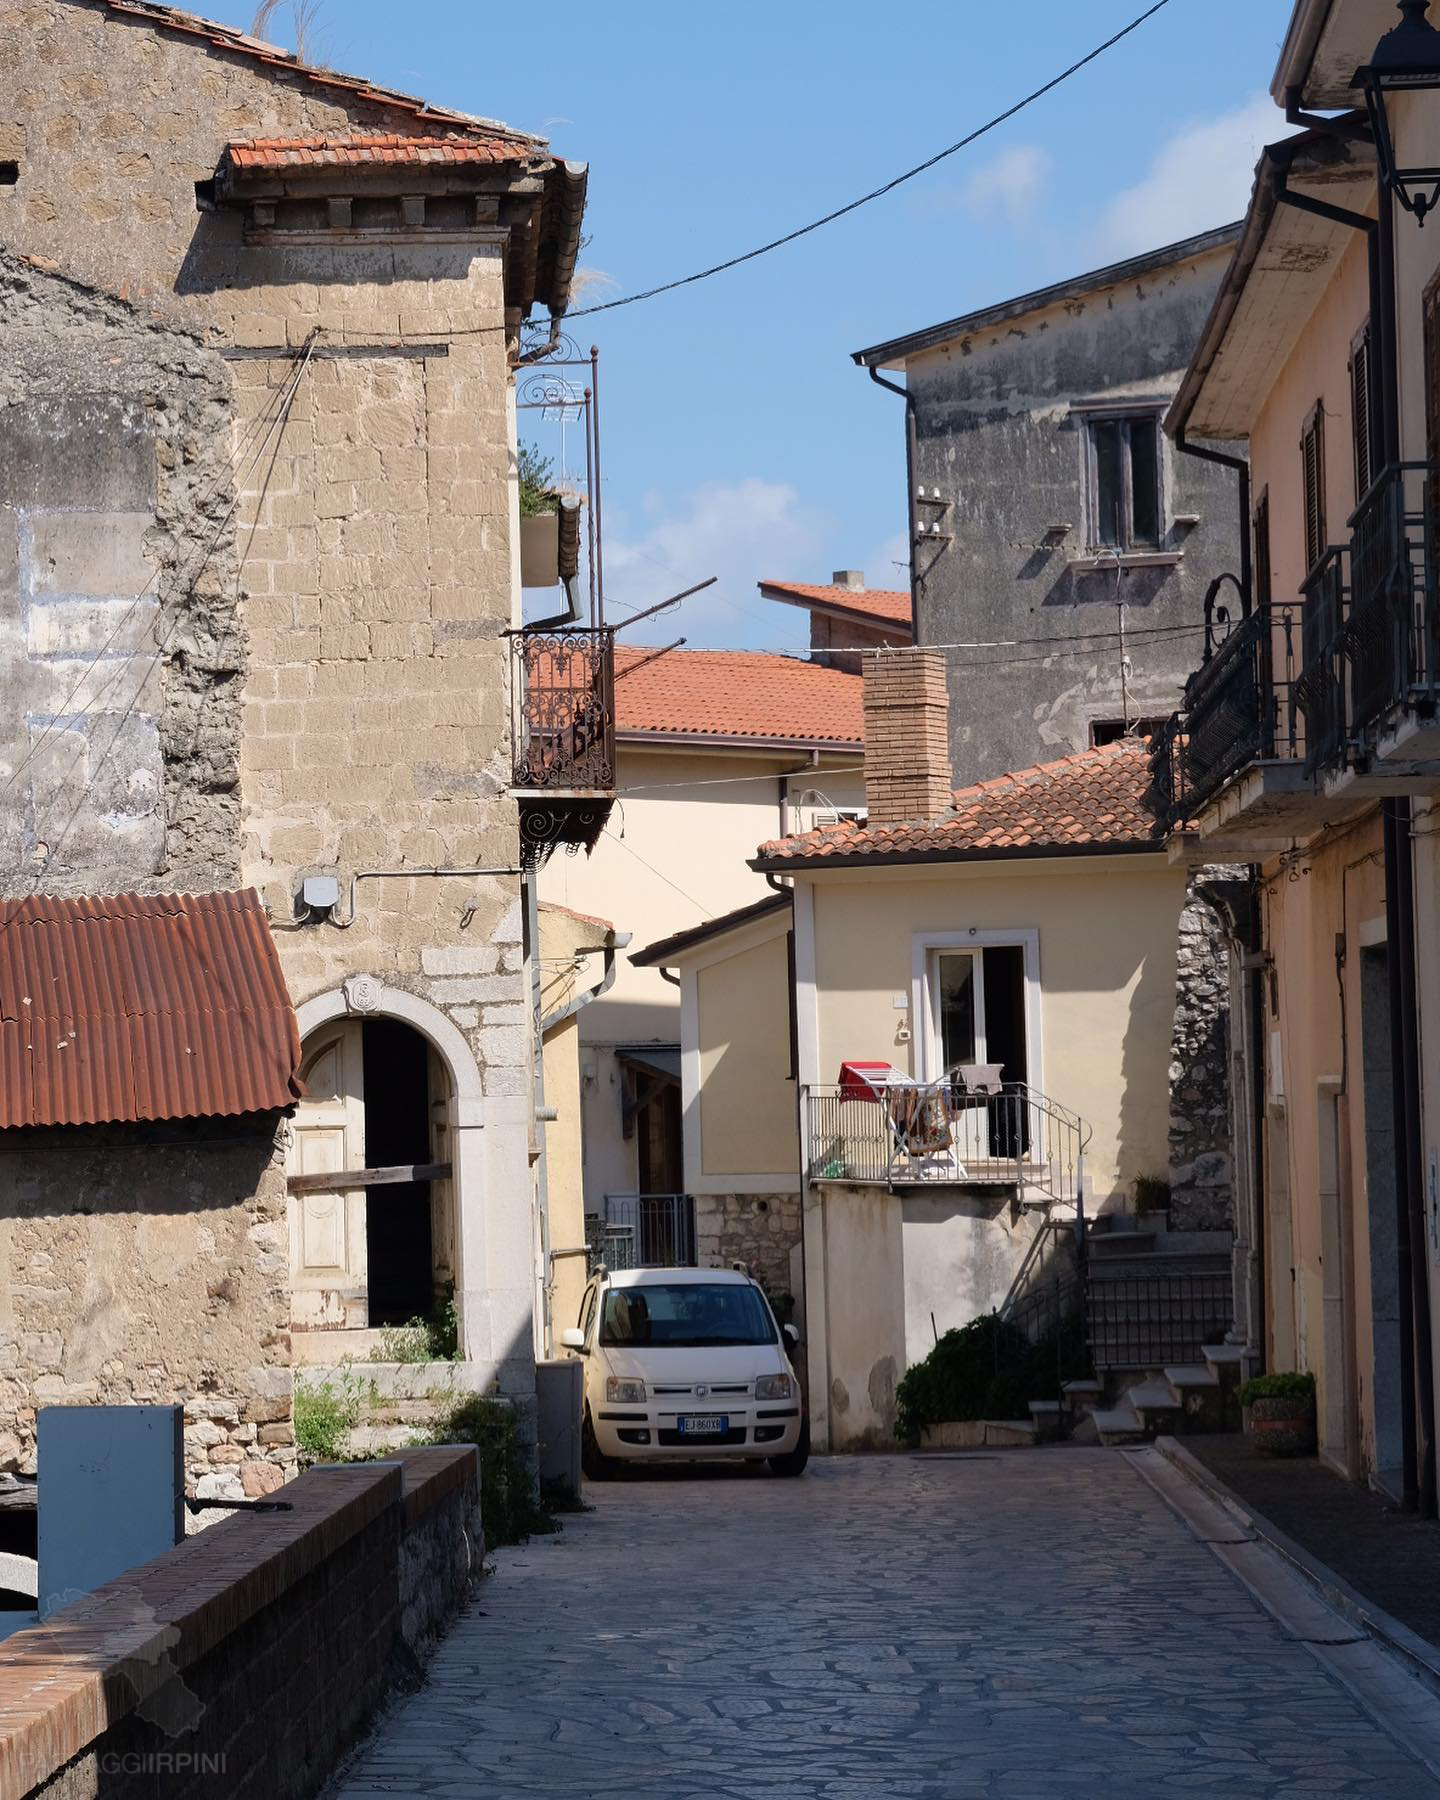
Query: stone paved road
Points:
[1032, 1624]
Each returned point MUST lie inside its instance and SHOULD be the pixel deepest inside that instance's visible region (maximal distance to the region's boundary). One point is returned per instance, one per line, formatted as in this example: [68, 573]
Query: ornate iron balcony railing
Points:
[564, 711]
[1392, 633]
[1318, 696]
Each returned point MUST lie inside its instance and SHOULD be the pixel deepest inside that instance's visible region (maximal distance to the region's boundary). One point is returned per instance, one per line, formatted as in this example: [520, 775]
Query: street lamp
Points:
[1406, 59]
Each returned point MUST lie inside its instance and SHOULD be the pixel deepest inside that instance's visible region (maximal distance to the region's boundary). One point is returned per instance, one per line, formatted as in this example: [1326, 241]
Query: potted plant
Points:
[1280, 1413]
[539, 521]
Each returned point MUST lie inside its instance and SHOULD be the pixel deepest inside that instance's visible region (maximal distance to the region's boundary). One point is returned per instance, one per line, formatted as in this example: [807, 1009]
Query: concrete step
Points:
[1079, 1392]
[1154, 1401]
[1110, 1244]
[1119, 1424]
[1226, 1362]
[1192, 1378]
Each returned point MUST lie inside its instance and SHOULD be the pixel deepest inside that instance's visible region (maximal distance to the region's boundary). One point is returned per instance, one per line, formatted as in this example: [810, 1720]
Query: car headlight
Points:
[625, 1390]
[773, 1387]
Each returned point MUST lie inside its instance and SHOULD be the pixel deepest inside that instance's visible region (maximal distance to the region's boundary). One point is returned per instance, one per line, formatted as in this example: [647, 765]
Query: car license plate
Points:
[703, 1424]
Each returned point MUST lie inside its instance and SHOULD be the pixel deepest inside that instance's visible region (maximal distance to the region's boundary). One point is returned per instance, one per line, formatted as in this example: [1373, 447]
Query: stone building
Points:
[258, 521]
[1066, 551]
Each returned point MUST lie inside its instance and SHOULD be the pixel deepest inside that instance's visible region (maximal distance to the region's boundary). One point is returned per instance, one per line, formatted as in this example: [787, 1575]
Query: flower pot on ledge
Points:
[1280, 1414]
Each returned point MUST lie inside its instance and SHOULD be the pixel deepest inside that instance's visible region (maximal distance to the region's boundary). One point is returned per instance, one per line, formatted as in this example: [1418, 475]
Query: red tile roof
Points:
[1095, 800]
[751, 694]
[388, 149]
[142, 1007]
[342, 88]
[880, 606]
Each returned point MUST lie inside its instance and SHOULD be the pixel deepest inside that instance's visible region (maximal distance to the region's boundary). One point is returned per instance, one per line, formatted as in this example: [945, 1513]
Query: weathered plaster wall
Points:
[996, 435]
[149, 1263]
[120, 652]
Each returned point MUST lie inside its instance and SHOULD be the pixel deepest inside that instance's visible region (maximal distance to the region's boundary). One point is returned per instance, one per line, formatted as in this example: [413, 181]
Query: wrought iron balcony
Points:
[1318, 695]
[563, 724]
[1230, 712]
[1392, 633]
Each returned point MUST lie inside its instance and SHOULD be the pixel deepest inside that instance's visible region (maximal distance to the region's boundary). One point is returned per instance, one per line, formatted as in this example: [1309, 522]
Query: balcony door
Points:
[959, 988]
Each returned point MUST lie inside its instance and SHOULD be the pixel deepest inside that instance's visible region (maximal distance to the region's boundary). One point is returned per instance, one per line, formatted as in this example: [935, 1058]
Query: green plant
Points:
[434, 1339]
[1152, 1193]
[987, 1369]
[510, 1509]
[536, 474]
[325, 1414]
[1290, 1385]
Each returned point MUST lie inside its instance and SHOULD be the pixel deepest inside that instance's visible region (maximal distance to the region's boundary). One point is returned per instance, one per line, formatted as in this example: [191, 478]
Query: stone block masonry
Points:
[759, 1230]
[1201, 1142]
[247, 1660]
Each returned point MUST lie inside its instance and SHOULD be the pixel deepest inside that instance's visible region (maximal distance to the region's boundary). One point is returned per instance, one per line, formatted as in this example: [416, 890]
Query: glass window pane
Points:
[688, 1314]
[957, 1009]
[1145, 479]
[1109, 481]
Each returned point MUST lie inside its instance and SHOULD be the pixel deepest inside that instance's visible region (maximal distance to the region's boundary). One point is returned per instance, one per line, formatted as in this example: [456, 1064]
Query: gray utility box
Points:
[560, 1397]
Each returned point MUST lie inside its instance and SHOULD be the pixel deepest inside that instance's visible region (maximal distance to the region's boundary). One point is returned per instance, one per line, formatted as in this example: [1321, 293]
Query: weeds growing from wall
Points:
[509, 1505]
[325, 1414]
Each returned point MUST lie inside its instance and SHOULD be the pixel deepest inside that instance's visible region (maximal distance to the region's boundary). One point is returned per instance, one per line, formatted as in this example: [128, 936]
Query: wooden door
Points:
[327, 1228]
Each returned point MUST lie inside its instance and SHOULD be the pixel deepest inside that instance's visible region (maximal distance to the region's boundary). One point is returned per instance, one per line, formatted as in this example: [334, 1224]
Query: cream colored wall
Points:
[1318, 369]
[855, 1311]
[1107, 936]
[1319, 1082]
[565, 1179]
[674, 855]
[745, 1096]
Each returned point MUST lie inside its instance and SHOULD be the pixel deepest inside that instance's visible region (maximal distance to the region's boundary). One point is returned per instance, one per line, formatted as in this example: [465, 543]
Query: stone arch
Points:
[364, 997]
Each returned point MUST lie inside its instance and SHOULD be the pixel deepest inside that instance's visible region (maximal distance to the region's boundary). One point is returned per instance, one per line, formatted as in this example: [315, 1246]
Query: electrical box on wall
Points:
[320, 893]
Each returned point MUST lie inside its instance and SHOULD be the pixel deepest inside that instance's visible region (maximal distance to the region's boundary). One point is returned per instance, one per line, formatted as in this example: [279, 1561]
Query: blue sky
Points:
[739, 439]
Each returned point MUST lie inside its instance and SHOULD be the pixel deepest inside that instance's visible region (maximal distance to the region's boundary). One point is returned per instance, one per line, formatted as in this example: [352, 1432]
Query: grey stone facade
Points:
[1201, 1154]
[754, 1229]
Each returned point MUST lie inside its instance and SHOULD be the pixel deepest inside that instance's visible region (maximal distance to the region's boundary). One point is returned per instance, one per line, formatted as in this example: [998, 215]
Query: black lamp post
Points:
[1405, 60]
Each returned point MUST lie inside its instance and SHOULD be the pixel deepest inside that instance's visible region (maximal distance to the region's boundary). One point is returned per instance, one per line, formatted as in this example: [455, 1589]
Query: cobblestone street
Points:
[1006, 1626]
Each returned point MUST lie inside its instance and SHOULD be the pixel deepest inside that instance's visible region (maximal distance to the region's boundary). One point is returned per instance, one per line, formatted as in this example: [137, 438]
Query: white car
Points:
[685, 1363]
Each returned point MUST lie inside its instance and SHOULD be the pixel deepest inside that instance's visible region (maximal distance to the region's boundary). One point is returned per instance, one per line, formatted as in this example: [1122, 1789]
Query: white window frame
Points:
[924, 1010]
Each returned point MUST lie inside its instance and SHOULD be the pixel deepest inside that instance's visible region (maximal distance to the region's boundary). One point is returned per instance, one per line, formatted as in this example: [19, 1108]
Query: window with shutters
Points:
[1364, 413]
[1312, 477]
[1126, 501]
[1263, 583]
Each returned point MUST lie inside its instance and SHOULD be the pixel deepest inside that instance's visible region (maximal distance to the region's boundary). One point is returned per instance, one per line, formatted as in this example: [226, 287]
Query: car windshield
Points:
[686, 1313]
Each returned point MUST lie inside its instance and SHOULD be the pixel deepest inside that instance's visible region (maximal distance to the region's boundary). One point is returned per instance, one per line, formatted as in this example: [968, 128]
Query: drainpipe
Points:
[911, 460]
[1241, 467]
[1404, 1256]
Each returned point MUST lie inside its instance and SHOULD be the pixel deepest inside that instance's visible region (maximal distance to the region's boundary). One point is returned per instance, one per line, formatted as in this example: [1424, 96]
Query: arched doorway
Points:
[380, 1251]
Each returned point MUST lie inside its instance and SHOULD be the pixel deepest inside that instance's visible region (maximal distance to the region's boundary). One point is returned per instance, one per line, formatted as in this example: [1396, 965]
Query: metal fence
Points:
[1391, 631]
[644, 1231]
[1154, 1321]
[937, 1131]
[1318, 695]
[563, 693]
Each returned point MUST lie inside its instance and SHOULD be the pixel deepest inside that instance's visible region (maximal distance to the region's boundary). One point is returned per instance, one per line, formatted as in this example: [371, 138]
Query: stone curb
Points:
[1423, 1658]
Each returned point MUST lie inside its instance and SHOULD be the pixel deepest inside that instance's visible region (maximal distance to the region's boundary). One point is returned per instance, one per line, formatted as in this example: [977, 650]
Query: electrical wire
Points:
[658, 873]
[888, 187]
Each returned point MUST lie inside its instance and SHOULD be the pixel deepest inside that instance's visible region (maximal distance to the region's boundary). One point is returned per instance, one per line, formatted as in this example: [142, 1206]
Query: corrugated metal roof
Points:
[135, 1006]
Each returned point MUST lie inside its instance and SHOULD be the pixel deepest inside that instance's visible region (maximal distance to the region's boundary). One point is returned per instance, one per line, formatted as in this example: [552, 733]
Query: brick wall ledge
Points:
[67, 1683]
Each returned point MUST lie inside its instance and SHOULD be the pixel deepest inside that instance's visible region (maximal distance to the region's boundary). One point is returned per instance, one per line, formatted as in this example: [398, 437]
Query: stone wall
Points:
[151, 1264]
[249, 1659]
[120, 650]
[1201, 1147]
[754, 1229]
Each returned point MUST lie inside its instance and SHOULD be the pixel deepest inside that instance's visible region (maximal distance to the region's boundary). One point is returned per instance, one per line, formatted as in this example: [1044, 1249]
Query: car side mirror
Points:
[792, 1336]
[573, 1338]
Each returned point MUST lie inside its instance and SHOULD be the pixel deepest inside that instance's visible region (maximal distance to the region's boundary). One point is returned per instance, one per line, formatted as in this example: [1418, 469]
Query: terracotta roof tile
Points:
[754, 694]
[1096, 799]
[345, 87]
[887, 606]
[386, 149]
[142, 1007]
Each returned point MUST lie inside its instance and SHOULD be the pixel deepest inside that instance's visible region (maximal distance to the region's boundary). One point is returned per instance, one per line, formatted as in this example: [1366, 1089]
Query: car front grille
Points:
[741, 1388]
[702, 1440]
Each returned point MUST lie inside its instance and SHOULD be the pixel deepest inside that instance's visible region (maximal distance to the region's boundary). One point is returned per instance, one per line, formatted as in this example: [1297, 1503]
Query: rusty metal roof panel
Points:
[133, 1006]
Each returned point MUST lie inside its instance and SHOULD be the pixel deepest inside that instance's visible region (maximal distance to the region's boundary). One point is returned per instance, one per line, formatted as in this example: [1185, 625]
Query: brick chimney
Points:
[907, 736]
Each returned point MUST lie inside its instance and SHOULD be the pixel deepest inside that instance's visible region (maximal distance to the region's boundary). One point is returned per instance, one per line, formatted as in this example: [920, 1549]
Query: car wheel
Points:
[594, 1463]
[793, 1461]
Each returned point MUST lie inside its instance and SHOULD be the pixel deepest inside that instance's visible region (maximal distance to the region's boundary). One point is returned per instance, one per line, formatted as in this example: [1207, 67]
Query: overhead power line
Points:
[888, 187]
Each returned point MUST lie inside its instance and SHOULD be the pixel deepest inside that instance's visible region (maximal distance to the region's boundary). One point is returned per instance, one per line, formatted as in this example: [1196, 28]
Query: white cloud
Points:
[1199, 178]
[744, 532]
[1008, 186]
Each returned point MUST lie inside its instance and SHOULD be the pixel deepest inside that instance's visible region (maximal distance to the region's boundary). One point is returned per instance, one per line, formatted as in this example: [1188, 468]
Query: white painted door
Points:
[327, 1227]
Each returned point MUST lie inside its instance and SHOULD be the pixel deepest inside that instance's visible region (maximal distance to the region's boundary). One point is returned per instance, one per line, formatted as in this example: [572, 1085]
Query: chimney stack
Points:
[907, 736]
[849, 578]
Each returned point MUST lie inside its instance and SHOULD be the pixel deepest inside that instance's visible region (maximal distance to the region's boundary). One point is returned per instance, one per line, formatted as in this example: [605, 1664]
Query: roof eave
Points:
[872, 859]
[666, 950]
[719, 740]
[897, 350]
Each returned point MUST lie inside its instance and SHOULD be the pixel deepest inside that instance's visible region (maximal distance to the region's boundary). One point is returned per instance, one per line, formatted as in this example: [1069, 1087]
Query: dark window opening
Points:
[1312, 470]
[658, 1131]
[207, 195]
[1110, 731]
[9, 174]
[1125, 491]
[398, 1246]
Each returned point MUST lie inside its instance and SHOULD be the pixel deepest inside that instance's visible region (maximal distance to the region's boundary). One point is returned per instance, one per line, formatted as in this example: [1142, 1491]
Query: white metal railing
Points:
[909, 1132]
